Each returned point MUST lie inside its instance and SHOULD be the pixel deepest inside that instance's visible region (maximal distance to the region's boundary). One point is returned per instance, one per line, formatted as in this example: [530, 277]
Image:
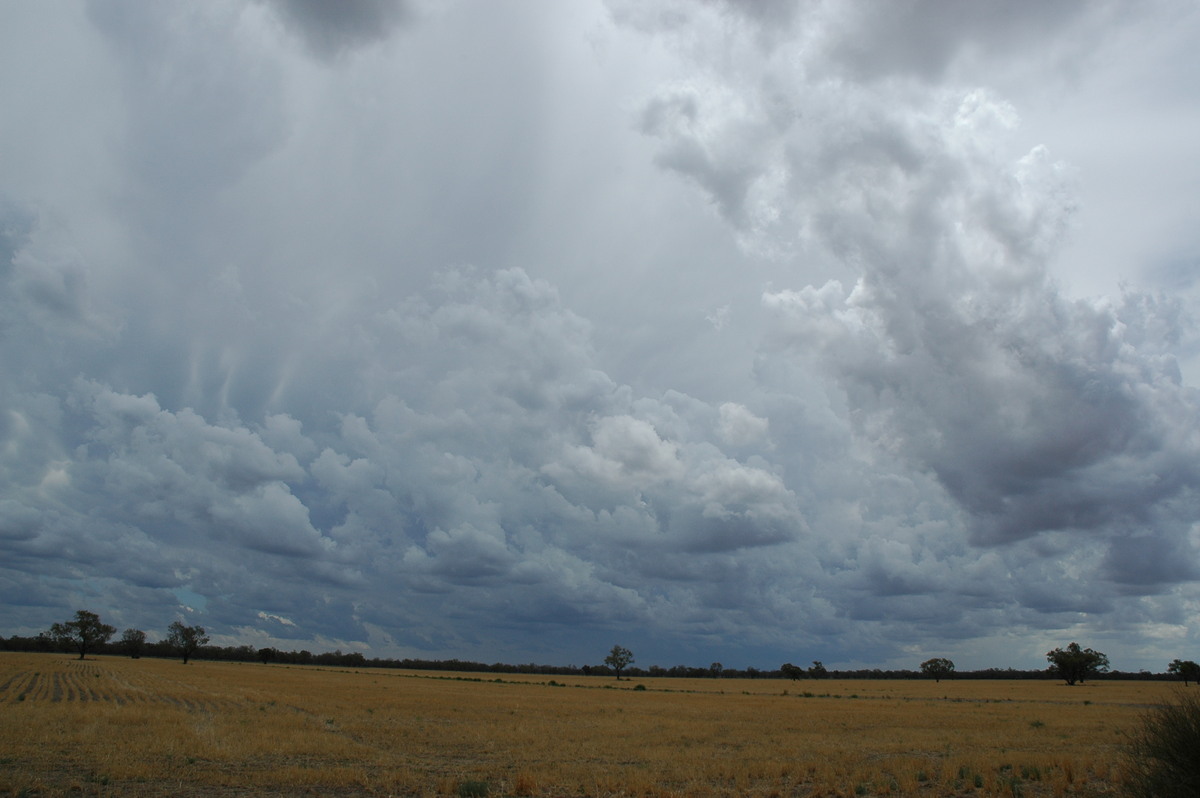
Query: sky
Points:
[750, 332]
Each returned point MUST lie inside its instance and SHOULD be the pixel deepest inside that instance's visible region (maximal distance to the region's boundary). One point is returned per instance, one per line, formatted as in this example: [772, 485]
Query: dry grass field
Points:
[112, 726]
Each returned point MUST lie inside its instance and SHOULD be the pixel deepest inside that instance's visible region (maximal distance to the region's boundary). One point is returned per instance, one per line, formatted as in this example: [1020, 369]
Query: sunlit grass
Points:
[160, 727]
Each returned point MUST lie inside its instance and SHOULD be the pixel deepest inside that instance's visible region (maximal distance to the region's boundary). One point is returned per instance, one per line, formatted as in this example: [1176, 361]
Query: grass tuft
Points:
[473, 789]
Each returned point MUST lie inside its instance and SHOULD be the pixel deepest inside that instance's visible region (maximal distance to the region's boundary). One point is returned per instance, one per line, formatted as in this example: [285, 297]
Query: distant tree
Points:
[133, 641]
[265, 655]
[1185, 669]
[937, 667]
[84, 633]
[817, 671]
[716, 669]
[1075, 664]
[186, 639]
[618, 659]
[791, 671]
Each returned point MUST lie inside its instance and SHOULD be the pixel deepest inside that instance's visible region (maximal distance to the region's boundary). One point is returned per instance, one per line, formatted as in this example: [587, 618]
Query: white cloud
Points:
[740, 427]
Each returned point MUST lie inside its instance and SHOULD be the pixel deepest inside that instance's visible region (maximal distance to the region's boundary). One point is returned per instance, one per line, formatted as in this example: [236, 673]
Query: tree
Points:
[267, 654]
[937, 668]
[716, 669]
[1185, 669]
[791, 671]
[817, 671]
[618, 659]
[84, 633]
[133, 640]
[186, 639]
[1075, 664]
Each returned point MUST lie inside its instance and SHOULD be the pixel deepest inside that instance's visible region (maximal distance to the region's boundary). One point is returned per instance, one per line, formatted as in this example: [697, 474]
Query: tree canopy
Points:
[618, 659]
[186, 639]
[82, 634]
[791, 671]
[938, 668]
[1075, 664]
[1185, 669]
[133, 641]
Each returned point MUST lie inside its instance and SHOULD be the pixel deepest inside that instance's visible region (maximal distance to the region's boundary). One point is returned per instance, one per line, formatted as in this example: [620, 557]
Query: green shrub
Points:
[473, 789]
[1162, 759]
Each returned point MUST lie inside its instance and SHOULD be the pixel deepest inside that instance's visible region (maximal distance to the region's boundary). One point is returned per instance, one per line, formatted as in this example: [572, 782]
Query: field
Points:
[112, 726]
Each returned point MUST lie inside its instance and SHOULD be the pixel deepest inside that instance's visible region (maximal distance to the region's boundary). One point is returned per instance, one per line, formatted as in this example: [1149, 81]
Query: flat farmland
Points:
[113, 726]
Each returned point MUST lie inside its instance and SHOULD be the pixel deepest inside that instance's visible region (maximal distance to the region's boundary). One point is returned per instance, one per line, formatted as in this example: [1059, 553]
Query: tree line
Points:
[86, 634]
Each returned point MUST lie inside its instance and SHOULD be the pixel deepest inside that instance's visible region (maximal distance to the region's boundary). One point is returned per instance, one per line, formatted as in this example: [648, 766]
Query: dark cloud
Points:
[332, 29]
[1153, 556]
[923, 38]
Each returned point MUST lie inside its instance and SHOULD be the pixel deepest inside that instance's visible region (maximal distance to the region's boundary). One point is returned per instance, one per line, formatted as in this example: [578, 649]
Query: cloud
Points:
[920, 39]
[332, 29]
[726, 330]
[200, 122]
[1036, 412]
[627, 451]
[956, 350]
[924, 39]
[954, 347]
[740, 427]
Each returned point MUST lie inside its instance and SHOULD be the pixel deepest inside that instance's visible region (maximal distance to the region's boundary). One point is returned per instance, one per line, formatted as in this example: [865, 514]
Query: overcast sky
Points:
[723, 330]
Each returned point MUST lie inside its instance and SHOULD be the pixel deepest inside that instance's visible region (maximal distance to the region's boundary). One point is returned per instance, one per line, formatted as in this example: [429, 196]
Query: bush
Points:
[1163, 756]
[473, 789]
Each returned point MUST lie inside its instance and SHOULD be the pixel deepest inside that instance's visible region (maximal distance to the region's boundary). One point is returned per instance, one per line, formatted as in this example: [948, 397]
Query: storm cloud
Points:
[726, 331]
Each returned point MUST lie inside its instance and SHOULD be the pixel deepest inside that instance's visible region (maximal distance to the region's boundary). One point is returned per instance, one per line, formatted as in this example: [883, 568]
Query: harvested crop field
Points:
[112, 726]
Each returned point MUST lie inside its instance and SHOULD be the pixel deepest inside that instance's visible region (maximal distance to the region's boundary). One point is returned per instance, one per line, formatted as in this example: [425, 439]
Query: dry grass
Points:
[111, 726]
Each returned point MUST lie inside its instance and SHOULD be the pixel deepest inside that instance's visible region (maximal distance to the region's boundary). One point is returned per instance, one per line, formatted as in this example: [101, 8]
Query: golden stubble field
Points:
[113, 726]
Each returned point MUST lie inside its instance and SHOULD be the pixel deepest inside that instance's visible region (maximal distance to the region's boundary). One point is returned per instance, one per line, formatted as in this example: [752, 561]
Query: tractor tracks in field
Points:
[94, 682]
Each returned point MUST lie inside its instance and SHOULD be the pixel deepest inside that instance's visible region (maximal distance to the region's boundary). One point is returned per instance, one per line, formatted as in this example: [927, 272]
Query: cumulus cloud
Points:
[738, 426]
[955, 349]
